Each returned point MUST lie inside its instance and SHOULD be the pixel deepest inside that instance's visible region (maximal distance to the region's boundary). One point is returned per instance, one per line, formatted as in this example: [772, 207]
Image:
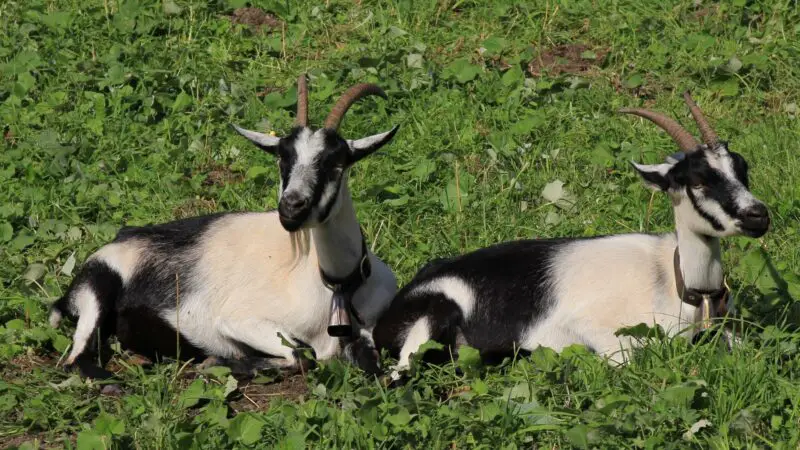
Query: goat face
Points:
[707, 182]
[314, 162]
[710, 188]
[313, 166]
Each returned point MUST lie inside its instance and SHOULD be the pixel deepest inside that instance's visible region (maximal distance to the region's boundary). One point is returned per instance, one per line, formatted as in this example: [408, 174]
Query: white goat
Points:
[231, 285]
[558, 292]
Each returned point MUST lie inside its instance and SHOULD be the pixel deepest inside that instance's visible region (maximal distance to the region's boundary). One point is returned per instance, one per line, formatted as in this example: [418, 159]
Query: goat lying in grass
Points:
[232, 285]
[558, 292]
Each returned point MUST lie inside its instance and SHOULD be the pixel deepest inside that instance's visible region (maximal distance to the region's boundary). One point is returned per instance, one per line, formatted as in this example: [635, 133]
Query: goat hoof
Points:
[209, 362]
[112, 390]
[88, 370]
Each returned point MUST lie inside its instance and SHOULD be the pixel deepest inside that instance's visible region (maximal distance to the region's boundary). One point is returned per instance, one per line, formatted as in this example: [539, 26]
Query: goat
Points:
[231, 286]
[516, 296]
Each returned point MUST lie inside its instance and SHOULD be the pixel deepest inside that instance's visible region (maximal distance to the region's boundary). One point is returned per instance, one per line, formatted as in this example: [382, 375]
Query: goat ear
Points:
[360, 148]
[655, 176]
[266, 142]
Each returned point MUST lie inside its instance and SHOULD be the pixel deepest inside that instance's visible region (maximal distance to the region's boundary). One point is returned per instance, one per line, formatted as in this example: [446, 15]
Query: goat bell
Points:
[339, 324]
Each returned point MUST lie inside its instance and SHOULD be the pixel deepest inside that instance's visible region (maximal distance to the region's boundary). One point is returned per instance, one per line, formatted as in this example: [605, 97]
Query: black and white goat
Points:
[558, 292]
[232, 285]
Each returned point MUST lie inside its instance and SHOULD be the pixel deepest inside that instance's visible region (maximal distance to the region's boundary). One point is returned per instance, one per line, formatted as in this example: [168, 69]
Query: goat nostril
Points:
[757, 212]
[296, 202]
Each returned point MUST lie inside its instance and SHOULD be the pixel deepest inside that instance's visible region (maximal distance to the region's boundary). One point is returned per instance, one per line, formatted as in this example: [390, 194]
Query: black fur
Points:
[106, 285]
[131, 311]
[511, 282]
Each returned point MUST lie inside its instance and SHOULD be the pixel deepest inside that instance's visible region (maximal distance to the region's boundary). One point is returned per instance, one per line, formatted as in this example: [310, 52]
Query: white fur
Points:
[249, 290]
[590, 304]
[55, 318]
[456, 290]
[308, 146]
[122, 257]
[418, 334]
[86, 307]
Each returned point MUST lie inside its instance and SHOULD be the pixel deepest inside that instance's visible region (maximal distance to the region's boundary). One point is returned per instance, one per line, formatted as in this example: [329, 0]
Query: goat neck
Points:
[338, 239]
[700, 256]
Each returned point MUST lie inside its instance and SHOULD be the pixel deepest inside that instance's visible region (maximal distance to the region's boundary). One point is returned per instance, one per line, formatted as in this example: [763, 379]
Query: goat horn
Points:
[302, 101]
[347, 100]
[709, 136]
[683, 138]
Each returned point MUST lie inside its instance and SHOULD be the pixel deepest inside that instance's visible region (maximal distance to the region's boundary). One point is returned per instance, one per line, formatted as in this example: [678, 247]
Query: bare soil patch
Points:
[257, 397]
[256, 19]
[569, 59]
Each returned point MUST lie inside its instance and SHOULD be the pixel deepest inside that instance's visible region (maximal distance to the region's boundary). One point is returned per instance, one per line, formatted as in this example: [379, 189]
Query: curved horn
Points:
[348, 98]
[302, 101]
[710, 137]
[683, 138]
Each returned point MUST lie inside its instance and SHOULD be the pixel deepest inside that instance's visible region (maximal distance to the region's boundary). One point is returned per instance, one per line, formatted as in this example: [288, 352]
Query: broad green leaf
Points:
[513, 76]
[456, 195]
[634, 81]
[461, 70]
[193, 394]
[61, 343]
[34, 272]
[182, 101]
[479, 387]
[245, 428]
[578, 436]
[22, 240]
[521, 391]
[400, 418]
[468, 357]
[90, 440]
[256, 172]
[170, 8]
[230, 385]
[6, 232]
[69, 265]
[108, 425]
[678, 395]
[414, 61]
[494, 46]
[15, 324]
[220, 373]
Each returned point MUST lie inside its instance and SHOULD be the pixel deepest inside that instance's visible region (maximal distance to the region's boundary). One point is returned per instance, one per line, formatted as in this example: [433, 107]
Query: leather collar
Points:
[695, 297]
[346, 287]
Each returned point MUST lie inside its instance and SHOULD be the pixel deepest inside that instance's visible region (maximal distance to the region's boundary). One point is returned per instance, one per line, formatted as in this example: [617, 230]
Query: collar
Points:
[712, 303]
[343, 291]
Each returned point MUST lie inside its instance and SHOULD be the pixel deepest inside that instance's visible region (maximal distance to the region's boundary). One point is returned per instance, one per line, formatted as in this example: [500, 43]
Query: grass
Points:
[116, 113]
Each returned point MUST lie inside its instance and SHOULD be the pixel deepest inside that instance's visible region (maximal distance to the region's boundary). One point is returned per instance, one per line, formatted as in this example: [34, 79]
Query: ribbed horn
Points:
[347, 100]
[683, 138]
[302, 101]
[710, 137]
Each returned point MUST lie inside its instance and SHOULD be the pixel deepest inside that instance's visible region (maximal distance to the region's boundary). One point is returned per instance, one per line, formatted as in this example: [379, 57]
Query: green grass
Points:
[117, 112]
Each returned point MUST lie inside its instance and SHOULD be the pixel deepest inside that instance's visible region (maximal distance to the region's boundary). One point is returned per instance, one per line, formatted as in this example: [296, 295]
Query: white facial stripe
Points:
[302, 177]
[723, 163]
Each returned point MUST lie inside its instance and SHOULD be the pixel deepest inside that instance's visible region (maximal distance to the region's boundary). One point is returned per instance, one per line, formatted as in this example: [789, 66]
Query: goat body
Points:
[224, 285]
[525, 294]
[553, 293]
[239, 286]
